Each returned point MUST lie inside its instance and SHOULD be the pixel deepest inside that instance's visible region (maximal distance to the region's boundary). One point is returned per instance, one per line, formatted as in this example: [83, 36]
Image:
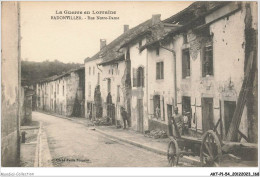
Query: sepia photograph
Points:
[130, 84]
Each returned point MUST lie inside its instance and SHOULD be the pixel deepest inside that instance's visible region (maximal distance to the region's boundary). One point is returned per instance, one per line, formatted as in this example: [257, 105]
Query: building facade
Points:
[210, 59]
[64, 94]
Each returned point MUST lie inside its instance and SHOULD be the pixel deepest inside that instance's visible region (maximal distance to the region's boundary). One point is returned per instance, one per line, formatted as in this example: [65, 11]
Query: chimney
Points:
[102, 43]
[126, 28]
[156, 18]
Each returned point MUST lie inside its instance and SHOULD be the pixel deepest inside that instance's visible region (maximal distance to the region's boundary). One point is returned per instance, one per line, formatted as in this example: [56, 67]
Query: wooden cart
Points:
[210, 148]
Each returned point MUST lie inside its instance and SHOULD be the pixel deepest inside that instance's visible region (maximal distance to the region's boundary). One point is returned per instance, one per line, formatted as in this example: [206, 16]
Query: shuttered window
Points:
[159, 70]
[140, 77]
[185, 63]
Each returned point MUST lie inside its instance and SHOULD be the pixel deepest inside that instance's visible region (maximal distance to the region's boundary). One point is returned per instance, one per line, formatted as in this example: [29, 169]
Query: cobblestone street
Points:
[76, 145]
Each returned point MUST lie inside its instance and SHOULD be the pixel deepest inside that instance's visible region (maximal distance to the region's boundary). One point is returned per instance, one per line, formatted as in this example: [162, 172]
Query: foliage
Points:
[34, 71]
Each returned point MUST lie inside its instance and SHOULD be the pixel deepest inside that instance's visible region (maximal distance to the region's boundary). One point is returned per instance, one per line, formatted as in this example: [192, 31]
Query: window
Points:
[157, 107]
[58, 89]
[159, 70]
[185, 39]
[207, 61]
[128, 54]
[89, 90]
[140, 77]
[185, 63]
[118, 93]
[108, 85]
[140, 44]
[98, 78]
[93, 70]
[157, 51]
[89, 71]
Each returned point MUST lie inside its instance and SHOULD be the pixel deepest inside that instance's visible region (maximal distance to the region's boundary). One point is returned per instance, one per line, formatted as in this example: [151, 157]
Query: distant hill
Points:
[35, 71]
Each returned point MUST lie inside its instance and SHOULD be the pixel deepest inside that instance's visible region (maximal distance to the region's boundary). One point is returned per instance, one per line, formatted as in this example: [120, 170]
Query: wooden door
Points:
[207, 114]
[140, 126]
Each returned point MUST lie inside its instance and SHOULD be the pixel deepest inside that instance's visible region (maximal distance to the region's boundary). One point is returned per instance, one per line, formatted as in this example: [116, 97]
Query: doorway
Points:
[207, 114]
[140, 121]
[186, 108]
[110, 108]
[229, 109]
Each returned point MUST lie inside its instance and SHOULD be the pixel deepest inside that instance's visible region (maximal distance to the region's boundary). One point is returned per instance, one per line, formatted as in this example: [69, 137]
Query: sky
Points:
[44, 38]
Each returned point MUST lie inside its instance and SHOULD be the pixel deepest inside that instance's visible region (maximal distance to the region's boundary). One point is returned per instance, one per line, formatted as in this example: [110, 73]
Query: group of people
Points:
[182, 121]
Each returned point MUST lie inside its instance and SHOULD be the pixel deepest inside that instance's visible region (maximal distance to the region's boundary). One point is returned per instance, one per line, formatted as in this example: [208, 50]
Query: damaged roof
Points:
[111, 51]
[185, 18]
[55, 77]
[195, 10]
[155, 31]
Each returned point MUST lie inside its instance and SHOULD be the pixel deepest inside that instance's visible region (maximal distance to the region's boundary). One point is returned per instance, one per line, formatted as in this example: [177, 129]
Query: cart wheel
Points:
[210, 150]
[173, 153]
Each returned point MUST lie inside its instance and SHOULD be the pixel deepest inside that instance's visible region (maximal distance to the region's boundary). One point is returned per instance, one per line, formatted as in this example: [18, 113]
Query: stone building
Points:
[63, 94]
[11, 85]
[211, 50]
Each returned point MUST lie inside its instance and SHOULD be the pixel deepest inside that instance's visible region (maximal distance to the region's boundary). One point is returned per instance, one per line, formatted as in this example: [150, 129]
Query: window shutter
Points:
[162, 70]
[202, 59]
[134, 77]
[157, 70]
[163, 110]
[151, 111]
[142, 77]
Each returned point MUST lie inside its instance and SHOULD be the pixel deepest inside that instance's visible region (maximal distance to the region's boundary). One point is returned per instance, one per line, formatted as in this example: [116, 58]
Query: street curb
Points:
[133, 143]
[37, 158]
[157, 151]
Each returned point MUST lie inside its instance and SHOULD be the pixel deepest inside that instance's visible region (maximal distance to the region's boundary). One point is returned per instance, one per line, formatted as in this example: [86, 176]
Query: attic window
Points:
[157, 51]
[185, 39]
[140, 44]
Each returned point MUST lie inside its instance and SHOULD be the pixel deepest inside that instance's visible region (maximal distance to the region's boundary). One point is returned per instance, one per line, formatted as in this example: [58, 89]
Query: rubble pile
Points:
[156, 134]
[105, 121]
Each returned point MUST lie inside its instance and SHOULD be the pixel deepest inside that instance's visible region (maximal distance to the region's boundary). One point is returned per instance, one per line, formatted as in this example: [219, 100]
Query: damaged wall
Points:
[139, 59]
[10, 146]
[228, 68]
[72, 84]
[162, 87]
[91, 81]
[115, 72]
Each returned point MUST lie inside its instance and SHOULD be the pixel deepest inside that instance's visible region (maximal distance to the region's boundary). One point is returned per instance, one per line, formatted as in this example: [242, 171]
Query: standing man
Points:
[124, 116]
[178, 119]
[185, 123]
